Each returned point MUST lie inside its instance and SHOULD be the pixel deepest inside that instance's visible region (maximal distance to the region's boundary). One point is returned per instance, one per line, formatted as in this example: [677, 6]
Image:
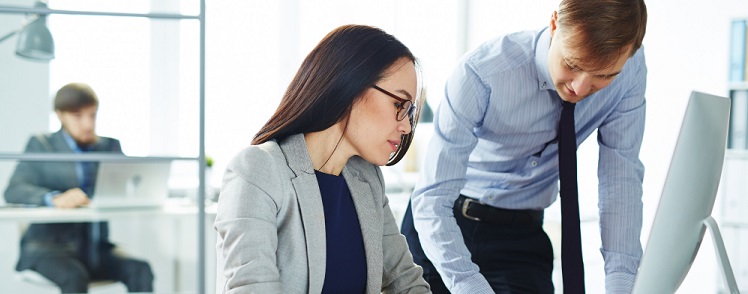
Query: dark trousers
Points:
[72, 274]
[514, 258]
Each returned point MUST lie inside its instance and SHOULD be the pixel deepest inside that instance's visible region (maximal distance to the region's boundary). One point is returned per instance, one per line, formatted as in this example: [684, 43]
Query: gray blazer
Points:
[271, 229]
[32, 179]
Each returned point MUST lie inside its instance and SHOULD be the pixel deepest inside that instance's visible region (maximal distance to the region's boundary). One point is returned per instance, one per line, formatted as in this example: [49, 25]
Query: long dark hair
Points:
[344, 64]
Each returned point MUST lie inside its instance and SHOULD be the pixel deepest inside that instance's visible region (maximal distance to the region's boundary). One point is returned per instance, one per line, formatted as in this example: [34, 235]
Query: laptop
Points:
[131, 185]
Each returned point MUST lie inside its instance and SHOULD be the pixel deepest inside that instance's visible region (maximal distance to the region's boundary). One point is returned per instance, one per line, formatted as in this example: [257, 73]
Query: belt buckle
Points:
[465, 205]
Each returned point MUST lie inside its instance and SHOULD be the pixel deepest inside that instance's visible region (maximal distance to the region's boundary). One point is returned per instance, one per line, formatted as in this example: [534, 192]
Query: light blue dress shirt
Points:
[494, 140]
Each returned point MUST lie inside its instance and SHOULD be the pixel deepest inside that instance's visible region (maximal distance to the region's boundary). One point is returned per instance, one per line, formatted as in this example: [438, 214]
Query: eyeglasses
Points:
[404, 108]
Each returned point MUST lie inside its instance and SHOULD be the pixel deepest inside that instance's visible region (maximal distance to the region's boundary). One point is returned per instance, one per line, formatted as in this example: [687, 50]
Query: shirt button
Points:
[543, 85]
[534, 163]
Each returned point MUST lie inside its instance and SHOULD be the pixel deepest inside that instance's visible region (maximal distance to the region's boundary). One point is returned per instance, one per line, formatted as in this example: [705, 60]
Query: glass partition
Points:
[143, 60]
[142, 209]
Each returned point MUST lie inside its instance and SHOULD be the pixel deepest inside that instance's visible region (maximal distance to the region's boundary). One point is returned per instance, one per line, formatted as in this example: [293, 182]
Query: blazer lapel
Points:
[363, 200]
[310, 203]
[58, 143]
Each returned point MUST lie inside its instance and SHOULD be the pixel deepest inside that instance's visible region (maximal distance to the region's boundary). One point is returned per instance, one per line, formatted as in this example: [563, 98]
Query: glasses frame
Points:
[408, 110]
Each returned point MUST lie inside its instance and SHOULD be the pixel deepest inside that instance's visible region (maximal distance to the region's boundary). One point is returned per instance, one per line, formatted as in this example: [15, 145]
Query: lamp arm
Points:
[8, 35]
[29, 20]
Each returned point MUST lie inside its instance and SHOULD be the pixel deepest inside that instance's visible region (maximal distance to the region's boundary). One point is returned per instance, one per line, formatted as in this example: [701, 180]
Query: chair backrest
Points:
[35, 278]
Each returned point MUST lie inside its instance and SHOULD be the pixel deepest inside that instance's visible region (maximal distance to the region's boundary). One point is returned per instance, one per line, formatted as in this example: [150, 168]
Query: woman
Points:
[303, 210]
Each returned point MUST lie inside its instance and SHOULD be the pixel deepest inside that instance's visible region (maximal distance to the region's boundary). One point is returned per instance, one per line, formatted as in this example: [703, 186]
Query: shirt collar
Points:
[72, 144]
[542, 46]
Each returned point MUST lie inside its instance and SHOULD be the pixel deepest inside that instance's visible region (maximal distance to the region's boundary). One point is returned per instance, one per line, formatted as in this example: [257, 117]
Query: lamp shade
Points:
[35, 41]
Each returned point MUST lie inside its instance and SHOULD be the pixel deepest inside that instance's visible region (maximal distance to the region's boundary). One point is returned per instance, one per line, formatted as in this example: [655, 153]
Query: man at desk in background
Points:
[71, 254]
[506, 133]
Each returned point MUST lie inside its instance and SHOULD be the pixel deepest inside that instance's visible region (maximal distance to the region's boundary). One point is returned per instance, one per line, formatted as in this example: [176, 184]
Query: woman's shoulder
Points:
[257, 160]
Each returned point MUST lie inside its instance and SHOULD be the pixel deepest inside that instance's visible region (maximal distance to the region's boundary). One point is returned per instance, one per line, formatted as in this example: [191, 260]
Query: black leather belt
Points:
[474, 210]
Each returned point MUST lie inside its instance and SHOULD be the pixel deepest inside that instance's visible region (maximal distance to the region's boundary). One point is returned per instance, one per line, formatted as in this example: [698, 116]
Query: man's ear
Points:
[554, 23]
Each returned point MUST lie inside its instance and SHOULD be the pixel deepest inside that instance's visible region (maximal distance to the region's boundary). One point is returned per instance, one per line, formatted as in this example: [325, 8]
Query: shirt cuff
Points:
[475, 284]
[49, 196]
[619, 282]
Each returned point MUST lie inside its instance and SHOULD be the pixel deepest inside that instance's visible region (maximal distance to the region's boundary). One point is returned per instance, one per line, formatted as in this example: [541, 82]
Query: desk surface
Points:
[56, 215]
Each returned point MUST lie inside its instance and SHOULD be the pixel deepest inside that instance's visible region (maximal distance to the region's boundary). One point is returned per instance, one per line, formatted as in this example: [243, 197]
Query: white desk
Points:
[56, 215]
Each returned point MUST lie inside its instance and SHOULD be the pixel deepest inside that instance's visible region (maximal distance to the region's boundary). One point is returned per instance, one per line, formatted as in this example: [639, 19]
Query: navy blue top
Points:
[346, 258]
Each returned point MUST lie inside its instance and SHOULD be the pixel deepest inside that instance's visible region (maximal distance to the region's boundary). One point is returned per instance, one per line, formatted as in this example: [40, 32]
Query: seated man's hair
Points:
[75, 96]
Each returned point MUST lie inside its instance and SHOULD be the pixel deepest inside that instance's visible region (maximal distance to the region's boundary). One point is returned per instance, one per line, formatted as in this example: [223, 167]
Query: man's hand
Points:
[72, 198]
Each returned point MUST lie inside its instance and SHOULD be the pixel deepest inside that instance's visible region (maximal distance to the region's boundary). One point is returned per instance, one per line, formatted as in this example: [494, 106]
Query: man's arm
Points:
[443, 178]
[25, 184]
[620, 182]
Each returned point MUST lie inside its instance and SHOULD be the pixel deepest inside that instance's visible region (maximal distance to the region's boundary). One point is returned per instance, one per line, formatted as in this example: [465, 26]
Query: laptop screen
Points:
[129, 184]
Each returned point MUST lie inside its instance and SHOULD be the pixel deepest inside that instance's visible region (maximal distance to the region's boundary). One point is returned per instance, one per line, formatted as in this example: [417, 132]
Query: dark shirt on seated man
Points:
[71, 254]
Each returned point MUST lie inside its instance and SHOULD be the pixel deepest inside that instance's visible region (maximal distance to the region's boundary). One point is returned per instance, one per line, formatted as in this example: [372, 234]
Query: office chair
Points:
[46, 286]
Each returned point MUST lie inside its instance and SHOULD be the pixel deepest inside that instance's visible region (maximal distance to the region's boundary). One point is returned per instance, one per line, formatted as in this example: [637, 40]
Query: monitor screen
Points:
[687, 197]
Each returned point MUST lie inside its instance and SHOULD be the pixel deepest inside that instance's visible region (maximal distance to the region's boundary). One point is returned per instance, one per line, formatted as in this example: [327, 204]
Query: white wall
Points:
[24, 95]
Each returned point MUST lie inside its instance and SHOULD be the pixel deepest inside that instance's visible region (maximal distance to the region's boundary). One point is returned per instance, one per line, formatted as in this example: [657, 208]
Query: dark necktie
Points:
[572, 266]
[91, 249]
[88, 167]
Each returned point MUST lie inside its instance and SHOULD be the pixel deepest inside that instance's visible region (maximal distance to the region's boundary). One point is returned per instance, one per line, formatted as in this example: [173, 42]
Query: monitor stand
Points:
[722, 261]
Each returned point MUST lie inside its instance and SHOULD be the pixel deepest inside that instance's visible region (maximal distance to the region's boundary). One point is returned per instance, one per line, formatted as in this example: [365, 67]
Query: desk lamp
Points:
[34, 40]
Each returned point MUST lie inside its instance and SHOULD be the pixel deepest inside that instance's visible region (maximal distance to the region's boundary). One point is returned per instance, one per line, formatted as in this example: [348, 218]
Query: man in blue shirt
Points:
[492, 164]
[71, 254]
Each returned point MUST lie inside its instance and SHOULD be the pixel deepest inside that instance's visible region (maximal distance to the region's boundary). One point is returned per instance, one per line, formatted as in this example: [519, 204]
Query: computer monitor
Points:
[687, 200]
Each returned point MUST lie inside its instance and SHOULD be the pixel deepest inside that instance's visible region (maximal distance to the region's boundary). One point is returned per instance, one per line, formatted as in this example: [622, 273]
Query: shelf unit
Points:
[734, 186]
[200, 280]
[733, 207]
